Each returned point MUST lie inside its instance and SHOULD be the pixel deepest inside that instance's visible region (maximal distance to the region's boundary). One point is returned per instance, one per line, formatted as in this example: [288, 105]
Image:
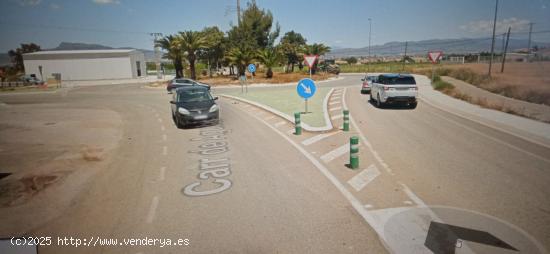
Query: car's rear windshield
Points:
[194, 95]
[184, 81]
[396, 80]
[371, 78]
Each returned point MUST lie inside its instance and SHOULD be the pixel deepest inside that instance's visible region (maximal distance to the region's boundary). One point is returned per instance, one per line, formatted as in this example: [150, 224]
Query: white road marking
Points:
[359, 181]
[407, 202]
[160, 120]
[328, 157]
[335, 108]
[335, 98]
[162, 174]
[164, 150]
[364, 139]
[413, 196]
[269, 118]
[153, 209]
[334, 102]
[164, 137]
[162, 128]
[368, 206]
[337, 117]
[317, 138]
[279, 123]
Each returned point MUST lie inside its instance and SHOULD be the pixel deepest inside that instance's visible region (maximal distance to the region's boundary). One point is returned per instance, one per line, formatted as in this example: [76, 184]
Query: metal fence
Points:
[8, 84]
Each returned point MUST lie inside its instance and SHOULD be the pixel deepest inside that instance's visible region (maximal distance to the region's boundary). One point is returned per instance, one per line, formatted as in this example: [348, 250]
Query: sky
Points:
[338, 23]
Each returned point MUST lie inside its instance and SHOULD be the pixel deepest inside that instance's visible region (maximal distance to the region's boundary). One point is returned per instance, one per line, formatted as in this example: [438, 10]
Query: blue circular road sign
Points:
[251, 68]
[306, 88]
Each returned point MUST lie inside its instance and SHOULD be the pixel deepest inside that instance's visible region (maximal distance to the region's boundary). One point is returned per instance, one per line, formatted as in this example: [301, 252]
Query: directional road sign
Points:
[251, 68]
[306, 88]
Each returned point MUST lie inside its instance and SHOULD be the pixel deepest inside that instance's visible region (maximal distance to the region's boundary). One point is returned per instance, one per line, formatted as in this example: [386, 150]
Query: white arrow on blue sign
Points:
[251, 68]
[306, 88]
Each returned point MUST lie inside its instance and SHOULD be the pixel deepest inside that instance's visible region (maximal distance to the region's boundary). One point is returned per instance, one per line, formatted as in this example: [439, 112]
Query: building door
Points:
[138, 66]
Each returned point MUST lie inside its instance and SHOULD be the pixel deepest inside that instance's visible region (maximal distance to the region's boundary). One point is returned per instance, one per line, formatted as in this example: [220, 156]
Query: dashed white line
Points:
[164, 150]
[335, 117]
[328, 157]
[317, 138]
[153, 209]
[164, 137]
[359, 181]
[160, 120]
[279, 123]
[162, 128]
[335, 108]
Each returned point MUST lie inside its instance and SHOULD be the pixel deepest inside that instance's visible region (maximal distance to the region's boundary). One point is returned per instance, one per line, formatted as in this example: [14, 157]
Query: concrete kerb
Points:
[328, 124]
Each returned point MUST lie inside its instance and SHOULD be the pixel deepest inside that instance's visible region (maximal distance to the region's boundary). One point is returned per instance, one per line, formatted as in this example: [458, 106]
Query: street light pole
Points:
[493, 43]
[370, 30]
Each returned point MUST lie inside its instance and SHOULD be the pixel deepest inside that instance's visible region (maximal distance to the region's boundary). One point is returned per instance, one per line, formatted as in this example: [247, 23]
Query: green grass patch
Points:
[286, 100]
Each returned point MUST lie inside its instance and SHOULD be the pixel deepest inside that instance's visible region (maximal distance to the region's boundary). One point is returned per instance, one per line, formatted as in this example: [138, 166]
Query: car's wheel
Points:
[379, 104]
[413, 105]
[371, 99]
[179, 123]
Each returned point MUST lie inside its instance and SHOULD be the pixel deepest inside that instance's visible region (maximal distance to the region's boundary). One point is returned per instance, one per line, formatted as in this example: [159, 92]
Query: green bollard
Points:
[297, 124]
[346, 120]
[354, 152]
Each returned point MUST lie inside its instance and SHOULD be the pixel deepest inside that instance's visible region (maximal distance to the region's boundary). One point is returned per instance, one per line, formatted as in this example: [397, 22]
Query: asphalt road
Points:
[250, 186]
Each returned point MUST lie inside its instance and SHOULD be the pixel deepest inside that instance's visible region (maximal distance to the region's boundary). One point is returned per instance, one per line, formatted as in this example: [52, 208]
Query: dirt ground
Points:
[49, 150]
[525, 81]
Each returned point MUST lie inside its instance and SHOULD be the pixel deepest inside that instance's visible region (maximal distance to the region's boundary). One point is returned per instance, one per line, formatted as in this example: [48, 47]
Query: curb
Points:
[328, 124]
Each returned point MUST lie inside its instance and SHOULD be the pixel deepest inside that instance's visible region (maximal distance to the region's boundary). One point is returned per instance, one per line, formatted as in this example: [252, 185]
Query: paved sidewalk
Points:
[535, 131]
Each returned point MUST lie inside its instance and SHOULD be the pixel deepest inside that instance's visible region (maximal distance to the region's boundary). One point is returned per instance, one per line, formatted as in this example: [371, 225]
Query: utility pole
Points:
[370, 30]
[405, 57]
[239, 12]
[529, 41]
[505, 50]
[493, 43]
[157, 53]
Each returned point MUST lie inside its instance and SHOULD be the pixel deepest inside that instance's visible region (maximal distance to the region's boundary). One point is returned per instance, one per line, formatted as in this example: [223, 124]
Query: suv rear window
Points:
[396, 80]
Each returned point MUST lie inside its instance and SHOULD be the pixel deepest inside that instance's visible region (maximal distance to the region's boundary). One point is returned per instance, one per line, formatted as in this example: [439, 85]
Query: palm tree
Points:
[316, 49]
[173, 52]
[269, 57]
[241, 57]
[190, 42]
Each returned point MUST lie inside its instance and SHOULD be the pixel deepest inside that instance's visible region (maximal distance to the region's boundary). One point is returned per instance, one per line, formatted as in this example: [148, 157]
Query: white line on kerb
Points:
[162, 173]
[328, 157]
[164, 150]
[317, 138]
[335, 108]
[337, 117]
[153, 209]
[359, 181]
[279, 123]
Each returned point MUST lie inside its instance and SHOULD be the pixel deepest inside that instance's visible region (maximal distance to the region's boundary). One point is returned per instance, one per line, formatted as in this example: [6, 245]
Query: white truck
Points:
[394, 89]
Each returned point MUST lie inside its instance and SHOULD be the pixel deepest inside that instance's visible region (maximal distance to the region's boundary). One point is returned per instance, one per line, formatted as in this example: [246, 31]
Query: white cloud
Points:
[105, 2]
[338, 41]
[55, 6]
[486, 26]
[29, 2]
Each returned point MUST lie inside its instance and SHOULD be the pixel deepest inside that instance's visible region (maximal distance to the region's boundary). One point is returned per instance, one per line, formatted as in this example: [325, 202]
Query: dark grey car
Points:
[194, 105]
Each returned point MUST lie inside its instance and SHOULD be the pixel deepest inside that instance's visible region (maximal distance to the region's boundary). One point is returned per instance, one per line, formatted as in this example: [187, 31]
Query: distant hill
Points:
[422, 47]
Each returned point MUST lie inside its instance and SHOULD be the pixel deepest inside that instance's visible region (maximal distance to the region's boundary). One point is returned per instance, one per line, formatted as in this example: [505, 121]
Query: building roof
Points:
[78, 54]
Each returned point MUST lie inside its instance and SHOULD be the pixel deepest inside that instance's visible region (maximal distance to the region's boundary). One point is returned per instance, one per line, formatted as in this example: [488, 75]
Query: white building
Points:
[86, 64]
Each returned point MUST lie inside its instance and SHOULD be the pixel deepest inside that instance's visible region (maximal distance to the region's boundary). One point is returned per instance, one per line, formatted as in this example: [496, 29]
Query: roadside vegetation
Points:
[208, 53]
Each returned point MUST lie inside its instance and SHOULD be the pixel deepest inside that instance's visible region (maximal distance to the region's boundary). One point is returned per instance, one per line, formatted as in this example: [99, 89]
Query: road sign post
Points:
[306, 89]
[252, 70]
[310, 61]
[434, 57]
[242, 80]
[354, 152]
[297, 124]
[346, 120]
